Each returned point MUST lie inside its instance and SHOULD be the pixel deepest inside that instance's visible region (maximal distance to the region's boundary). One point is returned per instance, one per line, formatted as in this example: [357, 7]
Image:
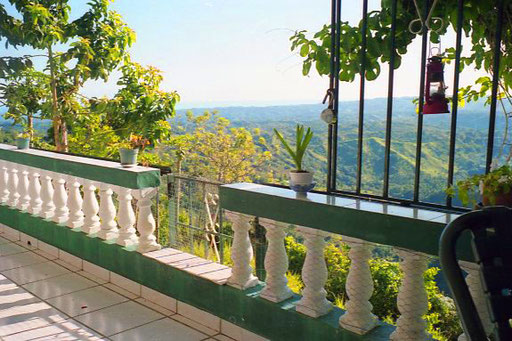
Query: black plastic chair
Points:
[491, 232]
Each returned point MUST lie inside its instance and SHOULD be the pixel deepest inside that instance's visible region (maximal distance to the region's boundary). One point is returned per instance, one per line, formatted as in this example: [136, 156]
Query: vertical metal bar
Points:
[337, 47]
[419, 131]
[362, 84]
[494, 93]
[455, 101]
[389, 114]
[330, 185]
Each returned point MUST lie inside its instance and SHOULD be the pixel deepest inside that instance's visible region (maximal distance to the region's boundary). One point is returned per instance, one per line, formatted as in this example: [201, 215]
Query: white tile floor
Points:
[42, 298]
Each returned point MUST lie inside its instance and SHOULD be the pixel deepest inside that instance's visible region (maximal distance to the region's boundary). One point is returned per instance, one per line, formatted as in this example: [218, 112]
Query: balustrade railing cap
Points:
[415, 229]
[82, 167]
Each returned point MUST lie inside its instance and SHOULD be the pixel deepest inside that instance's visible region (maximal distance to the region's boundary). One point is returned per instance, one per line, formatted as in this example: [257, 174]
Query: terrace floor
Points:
[43, 298]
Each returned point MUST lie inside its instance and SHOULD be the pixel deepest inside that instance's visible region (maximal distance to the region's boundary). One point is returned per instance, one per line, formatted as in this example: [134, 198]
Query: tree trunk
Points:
[30, 123]
[60, 137]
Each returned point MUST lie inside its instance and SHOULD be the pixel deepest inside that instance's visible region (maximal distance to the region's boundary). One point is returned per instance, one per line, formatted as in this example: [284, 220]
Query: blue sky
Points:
[228, 52]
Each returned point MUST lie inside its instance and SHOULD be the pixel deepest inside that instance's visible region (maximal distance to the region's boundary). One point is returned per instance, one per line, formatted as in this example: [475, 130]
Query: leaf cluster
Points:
[301, 144]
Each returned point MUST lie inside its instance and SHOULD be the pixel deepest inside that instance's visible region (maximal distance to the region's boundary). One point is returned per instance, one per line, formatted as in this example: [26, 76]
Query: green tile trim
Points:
[243, 308]
[111, 175]
[400, 231]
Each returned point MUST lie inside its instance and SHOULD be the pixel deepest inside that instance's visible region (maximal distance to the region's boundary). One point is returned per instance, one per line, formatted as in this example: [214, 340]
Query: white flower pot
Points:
[301, 182]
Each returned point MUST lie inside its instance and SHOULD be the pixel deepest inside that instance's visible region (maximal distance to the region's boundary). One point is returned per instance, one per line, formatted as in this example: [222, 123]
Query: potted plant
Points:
[128, 150]
[301, 181]
[23, 140]
[493, 188]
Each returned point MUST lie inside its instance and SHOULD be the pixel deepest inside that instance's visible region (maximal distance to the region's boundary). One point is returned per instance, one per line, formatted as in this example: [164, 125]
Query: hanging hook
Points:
[430, 23]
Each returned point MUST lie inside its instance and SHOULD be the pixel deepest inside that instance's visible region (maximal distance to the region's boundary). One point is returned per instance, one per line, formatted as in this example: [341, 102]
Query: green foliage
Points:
[93, 45]
[207, 146]
[489, 186]
[301, 144]
[139, 107]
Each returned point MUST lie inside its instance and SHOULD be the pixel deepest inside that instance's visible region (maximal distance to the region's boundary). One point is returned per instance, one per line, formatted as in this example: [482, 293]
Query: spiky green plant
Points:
[301, 144]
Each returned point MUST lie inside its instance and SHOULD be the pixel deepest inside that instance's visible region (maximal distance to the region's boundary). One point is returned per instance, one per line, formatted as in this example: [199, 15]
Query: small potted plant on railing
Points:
[23, 140]
[301, 181]
[493, 188]
[128, 150]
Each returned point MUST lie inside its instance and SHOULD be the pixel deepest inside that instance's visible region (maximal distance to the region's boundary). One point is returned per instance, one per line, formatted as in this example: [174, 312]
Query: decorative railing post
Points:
[75, 202]
[13, 186]
[241, 252]
[314, 275]
[412, 298]
[60, 199]
[146, 224]
[34, 190]
[358, 317]
[476, 289]
[4, 182]
[90, 208]
[48, 207]
[126, 218]
[107, 213]
[23, 182]
[276, 263]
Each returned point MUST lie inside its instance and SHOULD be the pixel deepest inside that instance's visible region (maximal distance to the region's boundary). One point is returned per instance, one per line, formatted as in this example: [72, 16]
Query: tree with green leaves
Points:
[210, 148]
[140, 106]
[24, 95]
[92, 46]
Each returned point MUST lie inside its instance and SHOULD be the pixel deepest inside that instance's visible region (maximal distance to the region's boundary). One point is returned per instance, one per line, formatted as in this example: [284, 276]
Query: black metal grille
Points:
[335, 86]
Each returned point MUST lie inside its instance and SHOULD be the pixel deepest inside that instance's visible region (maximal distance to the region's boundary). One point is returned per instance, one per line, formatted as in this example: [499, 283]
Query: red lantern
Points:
[435, 98]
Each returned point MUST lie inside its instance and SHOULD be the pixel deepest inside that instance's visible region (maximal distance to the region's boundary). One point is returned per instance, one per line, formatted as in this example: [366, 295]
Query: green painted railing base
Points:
[243, 308]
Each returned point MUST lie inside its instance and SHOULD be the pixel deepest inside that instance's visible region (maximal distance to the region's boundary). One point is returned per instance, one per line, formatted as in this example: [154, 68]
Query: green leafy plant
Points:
[24, 135]
[491, 185]
[301, 144]
[134, 142]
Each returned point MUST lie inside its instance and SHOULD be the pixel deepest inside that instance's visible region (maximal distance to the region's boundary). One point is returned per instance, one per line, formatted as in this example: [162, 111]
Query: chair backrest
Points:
[491, 232]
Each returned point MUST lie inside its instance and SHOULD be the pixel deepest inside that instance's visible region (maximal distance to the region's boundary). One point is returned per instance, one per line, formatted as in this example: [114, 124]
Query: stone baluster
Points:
[4, 182]
[476, 290]
[34, 189]
[107, 212]
[75, 202]
[13, 186]
[276, 263]
[358, 317]
[47, 192]
[23, 183]
[314, 275]
[412, 298]
[90, 208]
[241, 252]
[60, 199]
[145, 221]
[126, 218]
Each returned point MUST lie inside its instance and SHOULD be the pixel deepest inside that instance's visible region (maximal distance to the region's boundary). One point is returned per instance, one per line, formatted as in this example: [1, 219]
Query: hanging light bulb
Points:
[435, 97]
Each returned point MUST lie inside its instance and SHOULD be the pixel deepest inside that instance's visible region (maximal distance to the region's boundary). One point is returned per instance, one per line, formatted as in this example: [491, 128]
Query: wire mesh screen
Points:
[194, 219]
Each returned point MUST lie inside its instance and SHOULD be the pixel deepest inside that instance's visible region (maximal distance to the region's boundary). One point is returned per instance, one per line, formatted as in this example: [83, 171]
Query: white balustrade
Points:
[47, 192]
[126, 218]
[476, 290]
[13, 185]
[146, 224]
[60, 199]
[23, 182]
[4, 182]
[107, 212]
[314, 275]
[276, 263]
[34, 190]
[358, 317]
[90, 208]
[75, 202]
[412, 298]
[241, 252]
